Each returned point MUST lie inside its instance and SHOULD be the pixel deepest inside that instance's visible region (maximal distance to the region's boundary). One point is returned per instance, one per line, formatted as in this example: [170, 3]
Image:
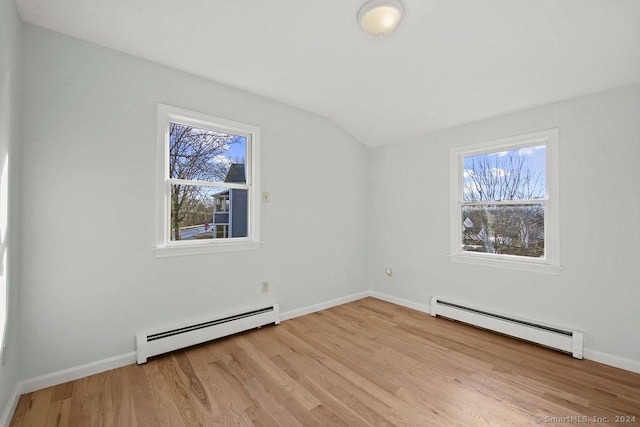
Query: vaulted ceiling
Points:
[449, 62]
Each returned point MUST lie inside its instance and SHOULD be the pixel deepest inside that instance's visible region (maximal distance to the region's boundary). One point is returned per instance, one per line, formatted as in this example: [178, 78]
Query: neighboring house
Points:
[230, 206]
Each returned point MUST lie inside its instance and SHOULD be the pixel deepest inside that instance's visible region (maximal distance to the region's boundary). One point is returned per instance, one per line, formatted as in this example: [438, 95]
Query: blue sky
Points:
[237, 149]
[533, 157]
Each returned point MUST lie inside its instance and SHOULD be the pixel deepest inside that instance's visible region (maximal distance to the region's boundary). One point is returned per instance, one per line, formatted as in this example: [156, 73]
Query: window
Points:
[504, 203]
[207, 184]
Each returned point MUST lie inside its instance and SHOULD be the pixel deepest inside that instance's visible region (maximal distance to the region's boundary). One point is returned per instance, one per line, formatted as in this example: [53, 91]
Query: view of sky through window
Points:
[517, 174]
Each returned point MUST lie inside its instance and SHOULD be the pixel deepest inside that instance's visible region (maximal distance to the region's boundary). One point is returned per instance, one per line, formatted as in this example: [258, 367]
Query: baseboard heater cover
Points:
[550, 336]
[159, 341]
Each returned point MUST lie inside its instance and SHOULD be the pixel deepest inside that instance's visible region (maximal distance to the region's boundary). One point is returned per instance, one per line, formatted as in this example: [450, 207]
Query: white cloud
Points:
[499, 172]
[529, 151]
[220, 159]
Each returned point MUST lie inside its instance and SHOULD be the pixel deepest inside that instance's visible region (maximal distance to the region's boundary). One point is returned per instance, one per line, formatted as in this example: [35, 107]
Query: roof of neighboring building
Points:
[236, 173]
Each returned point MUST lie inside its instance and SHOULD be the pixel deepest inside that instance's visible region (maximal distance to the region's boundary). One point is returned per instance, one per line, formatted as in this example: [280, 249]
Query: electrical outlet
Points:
[265, 287]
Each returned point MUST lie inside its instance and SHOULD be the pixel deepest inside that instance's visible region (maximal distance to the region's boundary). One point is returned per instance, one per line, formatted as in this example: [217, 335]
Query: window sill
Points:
[532, 267]
[171, 251]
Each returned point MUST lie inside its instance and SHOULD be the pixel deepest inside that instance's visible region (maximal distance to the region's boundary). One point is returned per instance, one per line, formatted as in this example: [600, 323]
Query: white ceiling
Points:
[449, 62]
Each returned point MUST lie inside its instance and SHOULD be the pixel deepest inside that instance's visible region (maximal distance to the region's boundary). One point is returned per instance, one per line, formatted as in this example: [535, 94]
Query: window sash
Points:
[209, 184]
[506, 202]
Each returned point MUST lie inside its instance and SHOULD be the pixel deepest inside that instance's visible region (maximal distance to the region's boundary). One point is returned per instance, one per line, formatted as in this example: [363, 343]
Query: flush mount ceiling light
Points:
[380, 17]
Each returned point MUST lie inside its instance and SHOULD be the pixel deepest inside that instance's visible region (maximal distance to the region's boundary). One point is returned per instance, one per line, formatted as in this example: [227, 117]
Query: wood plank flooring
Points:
[364, 363]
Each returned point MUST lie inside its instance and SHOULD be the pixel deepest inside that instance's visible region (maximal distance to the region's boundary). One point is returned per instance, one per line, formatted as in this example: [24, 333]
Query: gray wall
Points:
[597, 291]
[89, 221]
[10, 68]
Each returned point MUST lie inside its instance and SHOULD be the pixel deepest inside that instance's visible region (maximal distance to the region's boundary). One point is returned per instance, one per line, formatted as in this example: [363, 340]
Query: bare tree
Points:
[505, 228]
[501, 178]
[195, 154]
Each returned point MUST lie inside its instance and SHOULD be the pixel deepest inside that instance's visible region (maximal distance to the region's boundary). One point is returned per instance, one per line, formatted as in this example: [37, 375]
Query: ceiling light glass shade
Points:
[380, 17]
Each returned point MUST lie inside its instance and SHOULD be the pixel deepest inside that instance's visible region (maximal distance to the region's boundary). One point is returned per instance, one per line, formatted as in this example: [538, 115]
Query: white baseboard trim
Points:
[401, 301]
[323, 305]
[10, 408]
[611, 360]
[66, 375]
[61, 377]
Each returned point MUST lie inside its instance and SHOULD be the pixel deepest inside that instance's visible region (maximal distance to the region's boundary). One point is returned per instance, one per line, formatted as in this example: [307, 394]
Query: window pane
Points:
[205, 155]
[508, 175]
[504, 229]
[203, 212]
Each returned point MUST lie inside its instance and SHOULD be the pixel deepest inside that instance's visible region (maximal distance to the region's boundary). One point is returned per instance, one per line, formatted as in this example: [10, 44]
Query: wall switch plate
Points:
[265, 287]
[265, 197]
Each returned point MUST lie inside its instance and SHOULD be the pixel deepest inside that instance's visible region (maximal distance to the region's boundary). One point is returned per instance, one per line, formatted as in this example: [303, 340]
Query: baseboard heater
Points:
[164, 340]
[549, 336]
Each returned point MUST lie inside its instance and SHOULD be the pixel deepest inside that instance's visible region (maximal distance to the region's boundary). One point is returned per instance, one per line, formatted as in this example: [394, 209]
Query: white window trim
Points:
[164, 246]
[550, 263]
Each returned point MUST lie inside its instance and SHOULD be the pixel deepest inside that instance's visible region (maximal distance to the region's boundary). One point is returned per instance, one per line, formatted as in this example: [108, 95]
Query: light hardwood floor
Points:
[364, 363]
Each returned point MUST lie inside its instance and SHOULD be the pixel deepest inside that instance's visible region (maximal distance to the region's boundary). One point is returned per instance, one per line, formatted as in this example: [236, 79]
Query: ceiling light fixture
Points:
[380, 17]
